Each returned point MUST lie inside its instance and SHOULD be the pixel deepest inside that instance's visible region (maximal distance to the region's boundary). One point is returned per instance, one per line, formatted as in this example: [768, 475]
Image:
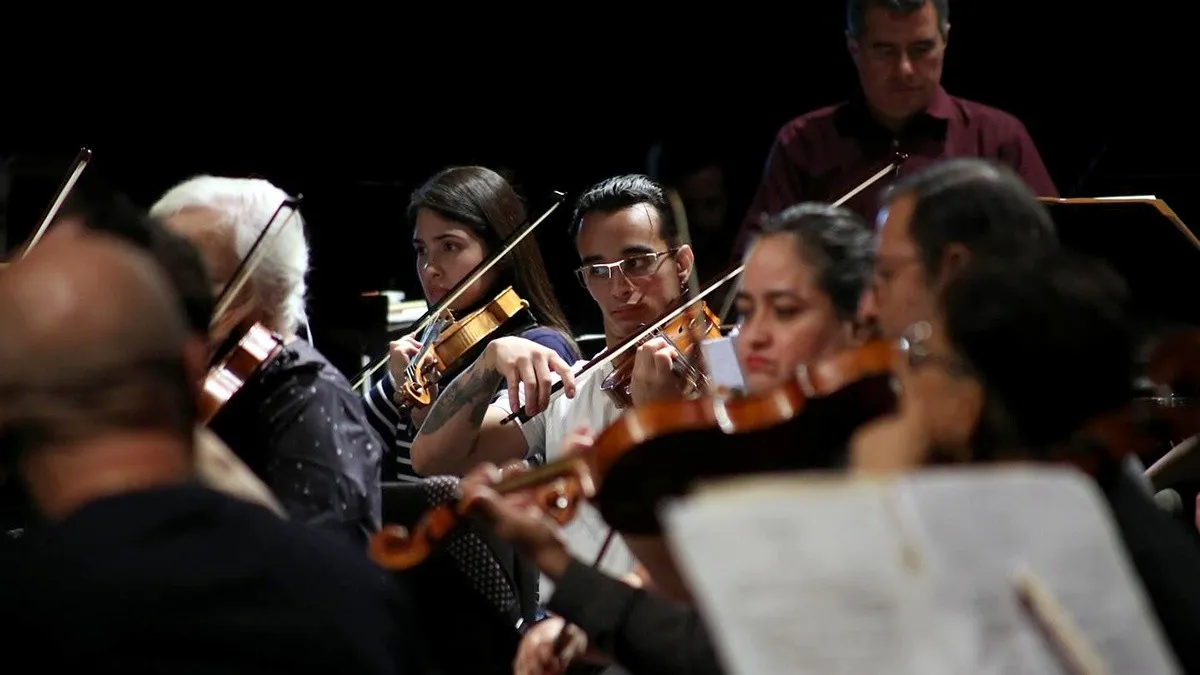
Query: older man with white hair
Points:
[297, 424]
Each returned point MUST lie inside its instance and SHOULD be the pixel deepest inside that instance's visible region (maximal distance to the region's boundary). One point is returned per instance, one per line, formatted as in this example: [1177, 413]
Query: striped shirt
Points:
[397, 430]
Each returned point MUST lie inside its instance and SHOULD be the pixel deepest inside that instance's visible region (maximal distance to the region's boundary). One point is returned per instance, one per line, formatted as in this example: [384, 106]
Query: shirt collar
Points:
[936, 116]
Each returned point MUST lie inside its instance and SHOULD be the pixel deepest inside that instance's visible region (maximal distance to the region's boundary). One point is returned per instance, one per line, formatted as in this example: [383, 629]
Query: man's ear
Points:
[852, 47]
[685, 259]
[946, 35]
[955, 259]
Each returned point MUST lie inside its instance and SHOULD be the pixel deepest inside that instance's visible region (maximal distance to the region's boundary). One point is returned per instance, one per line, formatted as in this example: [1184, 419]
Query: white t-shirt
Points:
[544, 434]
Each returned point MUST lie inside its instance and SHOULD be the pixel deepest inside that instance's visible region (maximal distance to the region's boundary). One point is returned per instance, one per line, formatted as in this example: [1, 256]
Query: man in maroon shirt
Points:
[902, 115]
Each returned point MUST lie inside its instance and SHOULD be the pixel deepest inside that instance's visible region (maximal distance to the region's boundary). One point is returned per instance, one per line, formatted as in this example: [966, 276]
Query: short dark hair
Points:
[1049, 337]
[979, 204]
[857, 9]
[621, 192]
[836, 242]
[115, 214]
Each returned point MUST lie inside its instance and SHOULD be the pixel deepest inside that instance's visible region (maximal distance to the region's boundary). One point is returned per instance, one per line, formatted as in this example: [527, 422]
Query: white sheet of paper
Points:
[909, 576]
[724, 369]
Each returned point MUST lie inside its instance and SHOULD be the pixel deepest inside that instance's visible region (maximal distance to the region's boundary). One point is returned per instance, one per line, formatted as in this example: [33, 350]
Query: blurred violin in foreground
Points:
[661, 449]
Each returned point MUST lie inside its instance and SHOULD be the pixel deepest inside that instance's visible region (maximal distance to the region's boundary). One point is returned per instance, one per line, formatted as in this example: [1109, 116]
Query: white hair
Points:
[246, 206]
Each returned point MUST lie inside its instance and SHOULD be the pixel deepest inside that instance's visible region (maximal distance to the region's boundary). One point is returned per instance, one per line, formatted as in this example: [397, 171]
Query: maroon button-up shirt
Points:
[828, 152]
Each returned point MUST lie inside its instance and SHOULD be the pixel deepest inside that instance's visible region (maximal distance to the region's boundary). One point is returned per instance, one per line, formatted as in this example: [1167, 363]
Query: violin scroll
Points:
[560, 499]
[556, 488]
[397, 548]
[417, 388]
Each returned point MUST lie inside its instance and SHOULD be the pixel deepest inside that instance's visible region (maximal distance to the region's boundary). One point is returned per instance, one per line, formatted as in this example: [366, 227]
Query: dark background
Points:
[1104, 91]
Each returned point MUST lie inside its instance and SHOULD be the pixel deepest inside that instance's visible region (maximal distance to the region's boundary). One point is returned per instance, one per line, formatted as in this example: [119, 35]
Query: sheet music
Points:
[770, 584]
[910, 576]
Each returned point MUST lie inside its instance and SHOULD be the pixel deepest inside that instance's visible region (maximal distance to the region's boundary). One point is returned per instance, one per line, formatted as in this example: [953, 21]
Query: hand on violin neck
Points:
[655, 372]
[528, 368]
[516, 518]
[542, 652]
[400, 353]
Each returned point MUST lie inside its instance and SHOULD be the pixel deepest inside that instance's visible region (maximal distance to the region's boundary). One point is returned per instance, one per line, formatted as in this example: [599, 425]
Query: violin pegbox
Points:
[560, 497]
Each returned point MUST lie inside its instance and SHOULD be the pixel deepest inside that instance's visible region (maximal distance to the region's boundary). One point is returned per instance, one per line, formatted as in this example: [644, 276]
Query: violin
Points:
[247, 351]
[452, 344]
[661, 449]
[1149, 423]
[684, 333]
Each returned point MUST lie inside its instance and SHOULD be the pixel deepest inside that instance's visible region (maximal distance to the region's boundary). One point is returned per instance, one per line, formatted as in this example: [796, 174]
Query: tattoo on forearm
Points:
[474, 388]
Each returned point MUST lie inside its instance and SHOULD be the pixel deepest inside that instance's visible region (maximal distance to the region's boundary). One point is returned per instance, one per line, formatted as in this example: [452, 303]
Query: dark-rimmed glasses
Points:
[631, 267]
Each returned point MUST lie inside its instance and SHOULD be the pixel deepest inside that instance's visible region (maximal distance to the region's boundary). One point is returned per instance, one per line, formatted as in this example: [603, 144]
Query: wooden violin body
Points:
[246, 352]
[697, 323]
[1148, 426]
[453, 344]
[661, 449]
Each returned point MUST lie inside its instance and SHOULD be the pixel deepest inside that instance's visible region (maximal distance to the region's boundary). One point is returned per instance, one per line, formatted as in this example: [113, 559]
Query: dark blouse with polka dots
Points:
[302, 429]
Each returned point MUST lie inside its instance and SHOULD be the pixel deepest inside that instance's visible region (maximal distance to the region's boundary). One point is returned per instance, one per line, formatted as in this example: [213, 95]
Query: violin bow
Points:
[476, 274]
[82, 158]
[681, 223]
[696, 335]
[728, 305]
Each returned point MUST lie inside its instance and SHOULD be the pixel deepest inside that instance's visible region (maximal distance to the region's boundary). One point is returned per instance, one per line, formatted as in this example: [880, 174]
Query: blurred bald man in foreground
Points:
[140, 568]
[216, 465]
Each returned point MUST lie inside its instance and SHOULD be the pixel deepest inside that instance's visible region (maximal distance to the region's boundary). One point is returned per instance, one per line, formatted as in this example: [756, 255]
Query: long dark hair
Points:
[482, 200]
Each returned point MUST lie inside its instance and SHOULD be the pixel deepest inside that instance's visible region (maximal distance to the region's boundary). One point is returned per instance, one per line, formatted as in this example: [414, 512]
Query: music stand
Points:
[1143, 240]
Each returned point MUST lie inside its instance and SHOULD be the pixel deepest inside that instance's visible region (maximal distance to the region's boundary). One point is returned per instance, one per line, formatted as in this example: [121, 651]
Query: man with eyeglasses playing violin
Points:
[938, 223]
[635, 269]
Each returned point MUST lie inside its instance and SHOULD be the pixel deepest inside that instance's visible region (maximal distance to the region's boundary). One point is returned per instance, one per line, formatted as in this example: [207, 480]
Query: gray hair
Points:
[246, 206]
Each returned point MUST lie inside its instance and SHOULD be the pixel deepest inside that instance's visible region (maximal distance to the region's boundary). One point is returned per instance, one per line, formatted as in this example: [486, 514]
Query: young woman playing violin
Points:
[798, 297]
[459, 216]
[482, 594]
